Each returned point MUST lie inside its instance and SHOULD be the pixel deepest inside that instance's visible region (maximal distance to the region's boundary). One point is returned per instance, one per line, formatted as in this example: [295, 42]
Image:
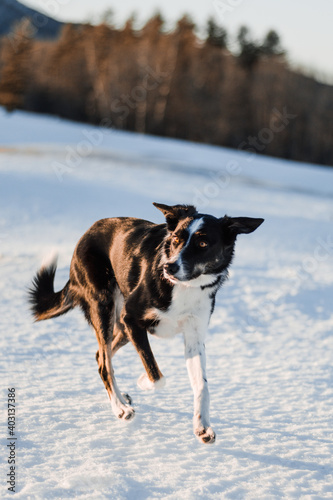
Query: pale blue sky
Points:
[305, 26]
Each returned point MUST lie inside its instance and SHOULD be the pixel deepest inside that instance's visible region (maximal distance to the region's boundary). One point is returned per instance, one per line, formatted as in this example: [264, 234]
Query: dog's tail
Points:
[45, 302]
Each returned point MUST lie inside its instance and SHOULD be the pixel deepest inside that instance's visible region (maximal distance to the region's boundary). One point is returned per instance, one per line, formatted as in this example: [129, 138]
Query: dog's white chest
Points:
[189, 310]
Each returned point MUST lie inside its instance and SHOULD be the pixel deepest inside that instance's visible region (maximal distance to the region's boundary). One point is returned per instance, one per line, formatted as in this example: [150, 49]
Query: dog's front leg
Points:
[195, 357]
[153, 378]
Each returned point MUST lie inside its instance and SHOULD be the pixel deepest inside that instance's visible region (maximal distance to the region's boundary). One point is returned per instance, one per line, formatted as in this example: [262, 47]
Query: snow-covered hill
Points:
[269, 346]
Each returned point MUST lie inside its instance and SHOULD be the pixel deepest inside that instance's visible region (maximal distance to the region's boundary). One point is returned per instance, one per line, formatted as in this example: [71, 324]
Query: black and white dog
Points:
[132, 277]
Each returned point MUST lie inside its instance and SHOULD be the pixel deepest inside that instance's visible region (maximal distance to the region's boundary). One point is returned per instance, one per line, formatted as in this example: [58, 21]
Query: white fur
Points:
[196, 366]
[202, 280]
[193, 228]
[189, 313]
[50, 259]
[147, 385]
[189, 306]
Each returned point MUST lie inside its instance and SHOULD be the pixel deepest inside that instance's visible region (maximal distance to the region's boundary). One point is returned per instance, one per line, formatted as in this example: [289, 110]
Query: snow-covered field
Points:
[269, 346]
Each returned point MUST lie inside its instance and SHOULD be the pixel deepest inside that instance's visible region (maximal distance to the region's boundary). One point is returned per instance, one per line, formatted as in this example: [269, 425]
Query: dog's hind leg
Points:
[103, 325]
[102, 320]
[96, 292]
[120, 402]
[100, 314]
[119, 339]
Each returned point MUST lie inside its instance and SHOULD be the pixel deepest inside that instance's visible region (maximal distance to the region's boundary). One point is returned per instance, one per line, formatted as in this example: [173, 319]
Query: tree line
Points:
[172, 83]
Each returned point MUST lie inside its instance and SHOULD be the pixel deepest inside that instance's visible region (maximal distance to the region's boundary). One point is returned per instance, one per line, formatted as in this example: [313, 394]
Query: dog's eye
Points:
[203, 244]
[175, 240]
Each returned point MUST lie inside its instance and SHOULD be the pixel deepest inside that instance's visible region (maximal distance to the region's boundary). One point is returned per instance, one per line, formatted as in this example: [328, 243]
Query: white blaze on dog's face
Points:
[183, 273]
[199, 248]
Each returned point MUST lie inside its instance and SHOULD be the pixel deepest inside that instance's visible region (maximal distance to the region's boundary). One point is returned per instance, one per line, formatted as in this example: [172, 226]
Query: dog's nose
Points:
[172, 268]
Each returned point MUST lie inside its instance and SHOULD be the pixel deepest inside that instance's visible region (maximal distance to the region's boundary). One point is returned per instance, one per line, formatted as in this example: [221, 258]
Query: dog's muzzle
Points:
[172, 268]
[170, 271]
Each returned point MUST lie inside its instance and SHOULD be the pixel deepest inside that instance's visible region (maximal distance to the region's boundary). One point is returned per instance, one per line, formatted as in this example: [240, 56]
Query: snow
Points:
[269, 345]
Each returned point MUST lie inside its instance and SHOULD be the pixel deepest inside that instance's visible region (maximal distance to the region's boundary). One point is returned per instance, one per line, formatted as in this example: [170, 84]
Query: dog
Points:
[132, 277]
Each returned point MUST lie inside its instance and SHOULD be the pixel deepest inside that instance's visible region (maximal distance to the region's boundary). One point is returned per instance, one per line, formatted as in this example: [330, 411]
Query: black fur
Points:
[123, 275]
[45, 302]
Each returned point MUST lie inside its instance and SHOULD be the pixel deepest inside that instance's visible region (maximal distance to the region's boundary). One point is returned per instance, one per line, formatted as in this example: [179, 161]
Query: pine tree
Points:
[216, 35]
[271, 44]
[15, 66]
[250, 51]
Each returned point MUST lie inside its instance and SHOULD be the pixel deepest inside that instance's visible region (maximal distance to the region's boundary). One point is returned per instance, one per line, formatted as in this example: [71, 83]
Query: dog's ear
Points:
[175, 213]
[242, 225]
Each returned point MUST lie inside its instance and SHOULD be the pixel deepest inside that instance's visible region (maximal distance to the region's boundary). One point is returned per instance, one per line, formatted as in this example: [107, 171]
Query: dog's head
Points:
[200, 247]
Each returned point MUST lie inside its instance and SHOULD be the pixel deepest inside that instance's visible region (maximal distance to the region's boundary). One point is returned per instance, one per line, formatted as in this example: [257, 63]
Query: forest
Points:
[172, 83]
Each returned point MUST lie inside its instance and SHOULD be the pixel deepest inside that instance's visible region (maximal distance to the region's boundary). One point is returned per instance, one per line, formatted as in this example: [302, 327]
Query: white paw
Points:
[205, 435]
[146, 384]
[126, 413]
[122, 411]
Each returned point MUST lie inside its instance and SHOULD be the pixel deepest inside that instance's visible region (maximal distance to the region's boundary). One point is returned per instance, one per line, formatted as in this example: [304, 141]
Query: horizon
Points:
[309, 54]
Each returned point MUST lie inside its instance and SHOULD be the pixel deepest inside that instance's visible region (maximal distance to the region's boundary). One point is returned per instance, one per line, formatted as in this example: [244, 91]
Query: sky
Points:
[305, 26]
